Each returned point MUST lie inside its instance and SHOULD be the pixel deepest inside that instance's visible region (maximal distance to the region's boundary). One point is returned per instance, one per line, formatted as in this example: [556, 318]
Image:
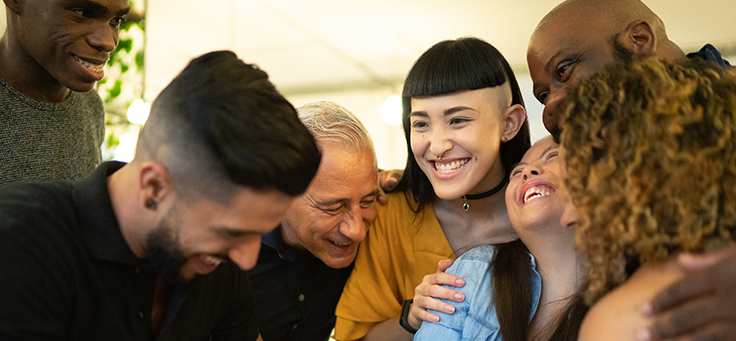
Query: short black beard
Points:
[620, 53]
[164, 253]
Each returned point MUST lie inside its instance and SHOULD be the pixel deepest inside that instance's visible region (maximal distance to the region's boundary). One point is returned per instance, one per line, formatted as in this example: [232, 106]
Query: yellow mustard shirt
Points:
[400, 249]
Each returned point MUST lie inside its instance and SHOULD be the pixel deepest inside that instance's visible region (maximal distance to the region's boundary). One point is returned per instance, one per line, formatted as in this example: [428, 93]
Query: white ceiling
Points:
[319, 46]
[357, 52]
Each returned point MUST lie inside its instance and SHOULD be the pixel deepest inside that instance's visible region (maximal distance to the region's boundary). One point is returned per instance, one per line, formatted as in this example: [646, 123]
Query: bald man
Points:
[578, 38]
[575, 40]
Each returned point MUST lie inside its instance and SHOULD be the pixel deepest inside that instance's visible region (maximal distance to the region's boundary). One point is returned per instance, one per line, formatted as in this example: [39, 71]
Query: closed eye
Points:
[367, 203]
[332, 210]
[516, 171]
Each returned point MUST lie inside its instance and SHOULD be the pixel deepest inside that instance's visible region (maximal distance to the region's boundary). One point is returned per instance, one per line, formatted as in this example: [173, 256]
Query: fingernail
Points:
[450, 309]
[459, 296]
[460, 282]
[644, 335]
[435, 318]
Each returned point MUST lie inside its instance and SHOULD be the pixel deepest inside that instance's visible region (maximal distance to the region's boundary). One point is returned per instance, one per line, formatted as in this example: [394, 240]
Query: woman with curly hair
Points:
[651, 168]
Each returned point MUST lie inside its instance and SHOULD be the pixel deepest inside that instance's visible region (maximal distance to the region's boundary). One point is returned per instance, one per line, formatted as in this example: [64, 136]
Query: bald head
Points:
[608, 16]
[578, 38]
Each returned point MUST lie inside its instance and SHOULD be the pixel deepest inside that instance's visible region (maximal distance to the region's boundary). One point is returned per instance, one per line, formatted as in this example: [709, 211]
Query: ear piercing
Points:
[151, 204]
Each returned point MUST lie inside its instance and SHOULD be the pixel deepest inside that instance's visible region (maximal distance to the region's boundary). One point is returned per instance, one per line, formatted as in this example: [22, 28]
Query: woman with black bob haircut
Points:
[465, 127]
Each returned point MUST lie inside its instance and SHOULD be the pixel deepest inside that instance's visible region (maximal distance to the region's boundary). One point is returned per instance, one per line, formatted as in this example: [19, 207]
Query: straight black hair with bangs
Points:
[449, 66]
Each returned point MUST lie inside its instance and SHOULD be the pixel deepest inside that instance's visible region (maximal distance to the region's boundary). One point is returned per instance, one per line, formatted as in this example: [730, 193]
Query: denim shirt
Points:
[475, 318]
[711, 54]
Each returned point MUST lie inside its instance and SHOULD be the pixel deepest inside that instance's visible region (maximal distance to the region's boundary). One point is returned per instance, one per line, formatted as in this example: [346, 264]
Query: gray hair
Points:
[328, 121]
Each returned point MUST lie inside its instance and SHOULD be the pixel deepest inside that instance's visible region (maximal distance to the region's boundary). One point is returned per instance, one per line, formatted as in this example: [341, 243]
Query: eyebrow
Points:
[447, 112]
[554, 145]
[545, 151]
[95, 7]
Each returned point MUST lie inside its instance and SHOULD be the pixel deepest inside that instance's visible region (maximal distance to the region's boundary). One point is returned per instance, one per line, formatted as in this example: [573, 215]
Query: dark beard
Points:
[620, 53]
[164, 253]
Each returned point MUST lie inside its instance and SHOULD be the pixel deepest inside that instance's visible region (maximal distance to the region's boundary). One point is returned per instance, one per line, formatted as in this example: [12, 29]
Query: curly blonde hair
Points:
[651, 165]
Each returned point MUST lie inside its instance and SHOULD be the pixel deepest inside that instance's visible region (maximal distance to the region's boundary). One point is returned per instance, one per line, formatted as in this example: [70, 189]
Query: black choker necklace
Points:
[485, 194]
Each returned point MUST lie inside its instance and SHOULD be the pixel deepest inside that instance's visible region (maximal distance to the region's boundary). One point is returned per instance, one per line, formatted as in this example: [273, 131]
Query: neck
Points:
[557, 261]
[124, 204]
[289, 237]
[487, 222]
[562, 275]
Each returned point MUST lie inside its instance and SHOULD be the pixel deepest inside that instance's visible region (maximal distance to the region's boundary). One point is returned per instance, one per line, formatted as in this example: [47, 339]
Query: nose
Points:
[354, 225]
[439, 144]
[530, 171]
[104, 37]
[550, 114]
[245, 253]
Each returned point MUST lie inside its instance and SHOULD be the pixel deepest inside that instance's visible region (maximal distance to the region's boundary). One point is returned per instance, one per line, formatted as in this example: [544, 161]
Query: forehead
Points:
[498, 97]
[538, 149]
[111, 6]
[572, 27]
[344, 166]
[248, 210]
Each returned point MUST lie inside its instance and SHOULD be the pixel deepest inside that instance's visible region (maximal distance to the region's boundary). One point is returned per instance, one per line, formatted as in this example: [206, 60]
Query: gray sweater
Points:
[48, 141]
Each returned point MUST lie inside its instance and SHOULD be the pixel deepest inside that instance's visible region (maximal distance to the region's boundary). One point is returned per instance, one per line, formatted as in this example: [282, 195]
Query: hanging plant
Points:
[123, 83]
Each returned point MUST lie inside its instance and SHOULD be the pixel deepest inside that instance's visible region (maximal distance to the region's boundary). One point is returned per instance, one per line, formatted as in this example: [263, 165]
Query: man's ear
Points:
[639, 37]
[155, 183]
[513, 118]
[13, 5]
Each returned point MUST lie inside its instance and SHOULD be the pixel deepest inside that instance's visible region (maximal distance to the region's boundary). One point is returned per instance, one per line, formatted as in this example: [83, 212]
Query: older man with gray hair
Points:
[304, 263]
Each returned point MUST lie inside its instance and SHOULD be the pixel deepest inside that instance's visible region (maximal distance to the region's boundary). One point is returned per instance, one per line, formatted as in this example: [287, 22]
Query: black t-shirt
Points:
[67, 274]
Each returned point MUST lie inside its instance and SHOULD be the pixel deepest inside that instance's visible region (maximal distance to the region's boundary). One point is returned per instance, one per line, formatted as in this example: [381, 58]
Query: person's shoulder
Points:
[34, 197]
[617, 315]
[399, 201]
[397, 216]
[474, 265]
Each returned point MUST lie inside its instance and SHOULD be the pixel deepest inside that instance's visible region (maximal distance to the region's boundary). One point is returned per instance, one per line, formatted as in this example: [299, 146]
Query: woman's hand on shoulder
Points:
[387, 180]
[428, 293]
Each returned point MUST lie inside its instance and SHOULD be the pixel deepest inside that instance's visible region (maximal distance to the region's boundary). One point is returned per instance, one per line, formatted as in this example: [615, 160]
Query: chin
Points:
[338, 263]
[450, 194]
[83, 87]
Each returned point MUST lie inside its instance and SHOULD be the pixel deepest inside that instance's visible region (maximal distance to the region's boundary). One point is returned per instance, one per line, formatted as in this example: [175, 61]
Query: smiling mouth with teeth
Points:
[450, 166]
[90, 66]
[340, 244]
[213, 260]
[535, 193]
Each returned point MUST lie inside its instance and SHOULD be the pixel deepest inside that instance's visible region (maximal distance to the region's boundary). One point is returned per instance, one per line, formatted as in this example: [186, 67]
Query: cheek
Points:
[322, 226]
[511, 190]
[369, 214]
[418, 143]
